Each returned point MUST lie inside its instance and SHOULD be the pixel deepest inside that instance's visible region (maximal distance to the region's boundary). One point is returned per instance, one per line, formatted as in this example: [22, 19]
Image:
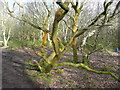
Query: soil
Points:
[14, 74]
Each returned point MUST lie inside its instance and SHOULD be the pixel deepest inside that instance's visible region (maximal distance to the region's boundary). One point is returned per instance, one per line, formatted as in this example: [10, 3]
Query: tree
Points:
[48, 62]
[6, 26]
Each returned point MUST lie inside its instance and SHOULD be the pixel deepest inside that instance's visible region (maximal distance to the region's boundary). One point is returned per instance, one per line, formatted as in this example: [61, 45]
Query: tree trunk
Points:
[45, 38]
[74, 47]
[49, 41]
[75, 55]
[5, 43]
[52, 63]
[85, 60]
[59, 15]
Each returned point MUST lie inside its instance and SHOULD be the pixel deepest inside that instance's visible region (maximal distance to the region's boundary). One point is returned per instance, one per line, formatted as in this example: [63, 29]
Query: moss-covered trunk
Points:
[74, 47]
[75, 55]
[45, 38]
[59, 15]
[85, 60]
[50, 66]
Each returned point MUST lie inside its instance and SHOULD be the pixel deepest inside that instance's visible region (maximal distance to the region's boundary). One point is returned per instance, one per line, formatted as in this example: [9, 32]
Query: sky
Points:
[10, 2]
[23, 1]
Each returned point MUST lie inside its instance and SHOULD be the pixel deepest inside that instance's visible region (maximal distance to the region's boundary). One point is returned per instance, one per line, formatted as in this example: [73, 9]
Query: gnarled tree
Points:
[48, 62]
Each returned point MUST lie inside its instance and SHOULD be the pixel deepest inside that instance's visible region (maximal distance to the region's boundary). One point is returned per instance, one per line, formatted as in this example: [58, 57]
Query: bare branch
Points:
[115, 11]
[41, 53]
[102, 14]
[63, 6]
[59, 15]
[46, 7]
[67, 25]
[20, 7]
[18, 4]
[74, 6]
[81, 31]
[24, 20]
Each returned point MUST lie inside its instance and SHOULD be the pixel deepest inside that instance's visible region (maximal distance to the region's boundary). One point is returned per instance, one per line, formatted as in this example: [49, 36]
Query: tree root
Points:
[39, 67]
[88, 68]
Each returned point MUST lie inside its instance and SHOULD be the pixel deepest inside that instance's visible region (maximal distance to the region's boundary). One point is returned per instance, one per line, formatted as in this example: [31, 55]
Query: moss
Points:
[89, 69]
[48, 79]
[59, 71]
[45, 77]
[107, 68]
[85, 60]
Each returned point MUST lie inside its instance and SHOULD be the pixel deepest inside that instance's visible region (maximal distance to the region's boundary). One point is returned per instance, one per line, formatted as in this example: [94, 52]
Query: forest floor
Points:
[15, 75]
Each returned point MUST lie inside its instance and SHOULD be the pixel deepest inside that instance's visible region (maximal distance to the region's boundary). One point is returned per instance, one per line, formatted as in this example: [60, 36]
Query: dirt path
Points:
[13, 74]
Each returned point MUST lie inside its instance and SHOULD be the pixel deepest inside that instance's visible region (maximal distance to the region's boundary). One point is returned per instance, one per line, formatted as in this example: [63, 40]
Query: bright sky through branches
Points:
[10, 2]
[20, 1]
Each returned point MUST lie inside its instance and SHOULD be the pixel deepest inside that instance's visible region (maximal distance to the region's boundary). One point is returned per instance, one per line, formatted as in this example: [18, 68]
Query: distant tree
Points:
[6, 25]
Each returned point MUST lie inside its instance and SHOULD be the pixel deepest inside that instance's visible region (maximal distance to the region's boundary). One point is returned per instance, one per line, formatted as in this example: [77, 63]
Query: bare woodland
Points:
[50, 30]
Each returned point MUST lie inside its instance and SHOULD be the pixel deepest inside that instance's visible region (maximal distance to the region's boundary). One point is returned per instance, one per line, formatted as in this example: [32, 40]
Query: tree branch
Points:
[67, 25]
[59, 15]
[102, 14]
[115, 11]
[88, 68]
[24, 20]
[63, 6]
[81, 31]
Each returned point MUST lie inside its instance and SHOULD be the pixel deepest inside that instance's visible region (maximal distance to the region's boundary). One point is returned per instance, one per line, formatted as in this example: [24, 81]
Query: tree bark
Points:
[85, 60]
[74, 46]
[59, 15]
[75, 54]
[52, 63]
[45, 38]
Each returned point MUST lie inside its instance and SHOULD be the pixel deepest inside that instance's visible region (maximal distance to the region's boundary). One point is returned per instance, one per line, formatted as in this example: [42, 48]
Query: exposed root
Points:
[88, 68]
[38, 65]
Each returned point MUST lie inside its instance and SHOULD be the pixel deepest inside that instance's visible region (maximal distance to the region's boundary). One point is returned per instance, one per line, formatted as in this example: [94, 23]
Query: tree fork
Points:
[52, 64]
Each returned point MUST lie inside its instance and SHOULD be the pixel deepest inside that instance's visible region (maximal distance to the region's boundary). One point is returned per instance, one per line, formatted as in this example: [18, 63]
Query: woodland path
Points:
[13, 74]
